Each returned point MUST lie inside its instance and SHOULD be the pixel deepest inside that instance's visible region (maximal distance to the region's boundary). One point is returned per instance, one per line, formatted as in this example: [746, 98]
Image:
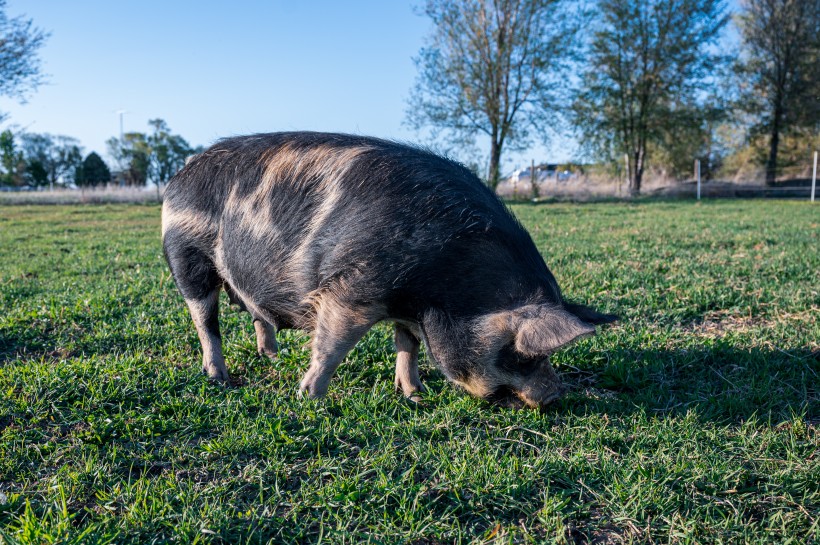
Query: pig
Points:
[333, 233]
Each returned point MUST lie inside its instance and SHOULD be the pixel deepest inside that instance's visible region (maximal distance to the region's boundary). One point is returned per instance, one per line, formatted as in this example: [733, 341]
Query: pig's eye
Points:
[512, 361]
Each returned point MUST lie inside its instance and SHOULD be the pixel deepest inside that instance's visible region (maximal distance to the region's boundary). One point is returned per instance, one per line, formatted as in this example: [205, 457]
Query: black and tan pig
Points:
[333, 233]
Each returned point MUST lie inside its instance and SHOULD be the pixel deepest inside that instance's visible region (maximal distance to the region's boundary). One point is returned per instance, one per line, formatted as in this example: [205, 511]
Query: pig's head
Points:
[503, 356]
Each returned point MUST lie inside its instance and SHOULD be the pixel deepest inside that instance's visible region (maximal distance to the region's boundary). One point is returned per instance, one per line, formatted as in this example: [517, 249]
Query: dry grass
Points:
[594, 188]
[102, 195]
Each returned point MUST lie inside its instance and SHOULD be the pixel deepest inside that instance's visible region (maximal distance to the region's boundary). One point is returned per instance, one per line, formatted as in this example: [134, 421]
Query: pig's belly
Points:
[270, 279]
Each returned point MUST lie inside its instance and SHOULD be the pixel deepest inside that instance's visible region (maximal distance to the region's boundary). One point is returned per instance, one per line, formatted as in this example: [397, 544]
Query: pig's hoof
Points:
[267, 352]
[415, 398]
[217, 374]
[309, 388]
[305, 393]
[409, 390]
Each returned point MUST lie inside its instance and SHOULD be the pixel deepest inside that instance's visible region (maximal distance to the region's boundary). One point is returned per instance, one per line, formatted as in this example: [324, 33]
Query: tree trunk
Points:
[635, 189]
[774, 142]
[636, 174]
[495, 161]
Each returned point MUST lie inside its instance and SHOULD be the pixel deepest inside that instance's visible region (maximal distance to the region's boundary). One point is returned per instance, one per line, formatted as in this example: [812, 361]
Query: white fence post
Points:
[814, 177]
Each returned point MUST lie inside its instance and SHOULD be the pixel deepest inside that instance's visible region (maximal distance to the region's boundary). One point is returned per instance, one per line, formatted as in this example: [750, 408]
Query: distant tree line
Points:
[38, 160]
[641, 83]
[46, 160]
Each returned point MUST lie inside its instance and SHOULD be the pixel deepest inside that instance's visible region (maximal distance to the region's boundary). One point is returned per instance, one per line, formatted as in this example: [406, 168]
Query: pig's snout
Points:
[535, 391]
[540, 395]
[542, 387]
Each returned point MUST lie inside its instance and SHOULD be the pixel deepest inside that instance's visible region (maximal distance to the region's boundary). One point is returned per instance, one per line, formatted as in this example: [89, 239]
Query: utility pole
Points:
[120, 113]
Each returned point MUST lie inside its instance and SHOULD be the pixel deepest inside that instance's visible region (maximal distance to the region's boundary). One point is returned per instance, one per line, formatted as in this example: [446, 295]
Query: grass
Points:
[695, 419]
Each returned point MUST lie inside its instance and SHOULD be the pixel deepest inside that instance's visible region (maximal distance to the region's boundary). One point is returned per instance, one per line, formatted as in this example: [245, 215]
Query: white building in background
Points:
[543, 173]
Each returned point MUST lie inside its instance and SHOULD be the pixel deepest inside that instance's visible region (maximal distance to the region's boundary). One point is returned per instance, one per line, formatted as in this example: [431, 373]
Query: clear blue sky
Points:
[214, 69]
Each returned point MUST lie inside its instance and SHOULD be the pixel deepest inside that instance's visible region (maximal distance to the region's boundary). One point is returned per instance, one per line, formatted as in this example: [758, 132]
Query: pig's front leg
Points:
[338, 329]
[265, 338]
[407, 363]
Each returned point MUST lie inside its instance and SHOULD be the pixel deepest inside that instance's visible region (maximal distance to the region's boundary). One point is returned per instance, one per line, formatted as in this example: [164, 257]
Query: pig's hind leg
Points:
[205, 313]
[407, 363]
[199, 283]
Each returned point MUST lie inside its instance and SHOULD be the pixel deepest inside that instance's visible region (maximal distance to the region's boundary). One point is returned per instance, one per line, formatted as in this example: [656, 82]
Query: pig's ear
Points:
[547, 330]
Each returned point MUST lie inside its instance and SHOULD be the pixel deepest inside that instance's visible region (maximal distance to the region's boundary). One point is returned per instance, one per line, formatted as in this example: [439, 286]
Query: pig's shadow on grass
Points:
[719, 384]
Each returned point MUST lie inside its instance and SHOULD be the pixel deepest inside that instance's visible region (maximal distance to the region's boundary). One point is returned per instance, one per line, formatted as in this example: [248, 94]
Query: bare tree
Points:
[493, 67]
[649, 62]
[19, 64]
[781, 61]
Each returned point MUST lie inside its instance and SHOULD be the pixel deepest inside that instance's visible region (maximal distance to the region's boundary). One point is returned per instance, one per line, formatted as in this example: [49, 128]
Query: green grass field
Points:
[695, 419]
